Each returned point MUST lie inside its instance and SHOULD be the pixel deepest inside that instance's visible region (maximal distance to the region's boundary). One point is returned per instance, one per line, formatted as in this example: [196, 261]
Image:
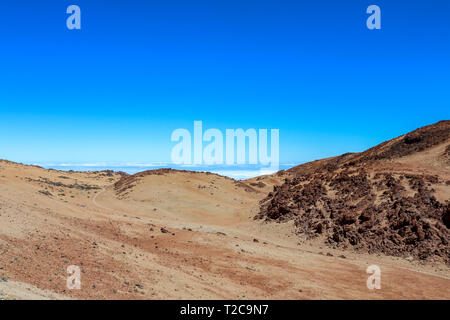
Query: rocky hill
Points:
[392, 198]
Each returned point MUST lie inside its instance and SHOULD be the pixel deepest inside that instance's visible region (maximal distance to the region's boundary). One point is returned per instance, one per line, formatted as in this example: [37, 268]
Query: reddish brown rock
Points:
[370, 202]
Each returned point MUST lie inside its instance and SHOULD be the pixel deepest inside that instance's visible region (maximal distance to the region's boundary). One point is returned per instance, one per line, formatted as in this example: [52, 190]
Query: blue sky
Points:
[115, 90]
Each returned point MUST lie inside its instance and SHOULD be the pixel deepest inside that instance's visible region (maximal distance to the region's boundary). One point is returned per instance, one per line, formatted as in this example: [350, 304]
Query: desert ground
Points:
[175, 235]
[168, 234]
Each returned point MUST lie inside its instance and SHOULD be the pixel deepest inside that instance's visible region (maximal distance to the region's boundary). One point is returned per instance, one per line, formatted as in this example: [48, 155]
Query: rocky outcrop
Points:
[351, 202]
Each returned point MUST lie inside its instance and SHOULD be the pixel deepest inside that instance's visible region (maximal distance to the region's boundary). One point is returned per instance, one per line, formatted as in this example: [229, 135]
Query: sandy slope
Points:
[175, 235]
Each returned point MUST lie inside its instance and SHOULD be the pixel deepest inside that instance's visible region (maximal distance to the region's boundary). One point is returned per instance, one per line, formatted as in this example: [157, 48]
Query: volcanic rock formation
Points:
[393, 198]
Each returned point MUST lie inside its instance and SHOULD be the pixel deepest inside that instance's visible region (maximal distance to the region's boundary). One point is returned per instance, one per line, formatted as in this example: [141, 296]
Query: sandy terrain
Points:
[176, 235]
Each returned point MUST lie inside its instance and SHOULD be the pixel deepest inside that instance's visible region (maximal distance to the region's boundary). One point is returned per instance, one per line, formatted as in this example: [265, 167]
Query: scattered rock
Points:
[139, 286]
[164, 230]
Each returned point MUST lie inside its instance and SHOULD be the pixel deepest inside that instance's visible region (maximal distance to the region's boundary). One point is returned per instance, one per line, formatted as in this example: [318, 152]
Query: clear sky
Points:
[137, 70]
